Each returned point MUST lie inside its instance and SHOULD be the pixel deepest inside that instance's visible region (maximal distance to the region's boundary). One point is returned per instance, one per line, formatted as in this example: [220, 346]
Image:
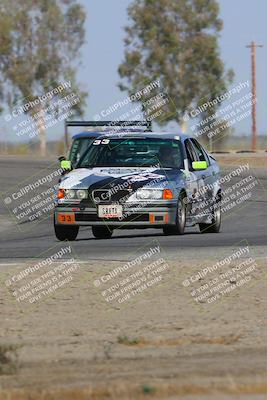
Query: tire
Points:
[101, 232]
[215, 226]
[179, 227]
[63, 232]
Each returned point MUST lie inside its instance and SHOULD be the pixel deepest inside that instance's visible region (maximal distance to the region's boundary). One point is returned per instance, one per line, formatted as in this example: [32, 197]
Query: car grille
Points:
[102, 196]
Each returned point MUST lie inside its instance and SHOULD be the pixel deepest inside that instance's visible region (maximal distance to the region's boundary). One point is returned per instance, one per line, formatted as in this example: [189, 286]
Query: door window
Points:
[190, 153]
[201, 154]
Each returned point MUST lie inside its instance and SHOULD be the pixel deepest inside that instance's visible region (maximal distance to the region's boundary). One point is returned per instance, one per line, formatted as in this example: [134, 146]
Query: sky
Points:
[244, 21]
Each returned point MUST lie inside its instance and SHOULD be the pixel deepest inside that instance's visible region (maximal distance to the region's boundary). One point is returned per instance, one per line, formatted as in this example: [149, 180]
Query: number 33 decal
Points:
[98, 142]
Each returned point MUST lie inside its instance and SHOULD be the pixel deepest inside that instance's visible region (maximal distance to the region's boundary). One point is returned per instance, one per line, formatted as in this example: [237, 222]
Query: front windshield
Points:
[143, 152]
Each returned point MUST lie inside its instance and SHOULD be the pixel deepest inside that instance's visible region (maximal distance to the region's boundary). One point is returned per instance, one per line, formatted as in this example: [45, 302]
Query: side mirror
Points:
[199, 165]
[65, 164]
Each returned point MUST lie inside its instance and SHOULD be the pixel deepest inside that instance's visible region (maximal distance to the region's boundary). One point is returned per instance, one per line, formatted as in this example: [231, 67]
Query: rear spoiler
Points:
[107, 124]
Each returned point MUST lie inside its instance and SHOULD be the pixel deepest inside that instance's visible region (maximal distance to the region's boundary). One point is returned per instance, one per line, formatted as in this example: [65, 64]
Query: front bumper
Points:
[151, 216]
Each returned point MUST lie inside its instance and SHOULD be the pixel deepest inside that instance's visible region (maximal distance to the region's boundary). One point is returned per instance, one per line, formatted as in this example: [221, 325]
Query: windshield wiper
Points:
[86, 166]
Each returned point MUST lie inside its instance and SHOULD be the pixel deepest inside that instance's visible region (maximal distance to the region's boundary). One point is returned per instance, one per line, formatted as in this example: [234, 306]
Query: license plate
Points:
[66, 218]
[110, 211]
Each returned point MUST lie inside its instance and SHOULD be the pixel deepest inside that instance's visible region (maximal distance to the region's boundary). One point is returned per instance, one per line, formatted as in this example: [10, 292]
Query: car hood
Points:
[83, 178]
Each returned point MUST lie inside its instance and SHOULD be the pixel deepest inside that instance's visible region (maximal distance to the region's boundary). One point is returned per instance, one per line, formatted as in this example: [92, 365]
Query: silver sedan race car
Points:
[140, 180]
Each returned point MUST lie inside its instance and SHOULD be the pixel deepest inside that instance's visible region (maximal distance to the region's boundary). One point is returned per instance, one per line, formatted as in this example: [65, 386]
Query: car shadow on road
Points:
[143, 235]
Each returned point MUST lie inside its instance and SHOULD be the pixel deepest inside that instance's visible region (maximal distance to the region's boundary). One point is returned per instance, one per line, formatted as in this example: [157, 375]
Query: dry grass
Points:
[129, 342]
[127, 391]
[183, 341]
[224, 340]
[8, 358]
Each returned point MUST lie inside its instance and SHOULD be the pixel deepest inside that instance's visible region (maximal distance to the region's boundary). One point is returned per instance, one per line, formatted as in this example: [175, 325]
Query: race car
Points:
[140, 180]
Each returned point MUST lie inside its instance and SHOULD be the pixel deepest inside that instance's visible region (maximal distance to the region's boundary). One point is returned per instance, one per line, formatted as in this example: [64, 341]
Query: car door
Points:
[194, 178]
[206, 177]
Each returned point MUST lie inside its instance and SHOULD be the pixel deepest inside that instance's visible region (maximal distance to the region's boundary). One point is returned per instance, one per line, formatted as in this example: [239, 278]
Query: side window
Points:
[85, 144]
[190, 153]
[201, 154]
[73, 151]
[78, 147]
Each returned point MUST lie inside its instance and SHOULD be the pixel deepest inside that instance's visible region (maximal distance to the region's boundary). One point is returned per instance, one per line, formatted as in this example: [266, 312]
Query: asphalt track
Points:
[247, 222]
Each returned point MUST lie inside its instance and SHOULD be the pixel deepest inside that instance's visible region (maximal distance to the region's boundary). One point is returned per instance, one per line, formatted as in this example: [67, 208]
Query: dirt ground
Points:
[257, 160]
[160, 344]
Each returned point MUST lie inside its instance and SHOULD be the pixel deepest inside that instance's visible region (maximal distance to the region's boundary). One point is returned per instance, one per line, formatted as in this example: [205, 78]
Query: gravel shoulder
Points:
[161, 343]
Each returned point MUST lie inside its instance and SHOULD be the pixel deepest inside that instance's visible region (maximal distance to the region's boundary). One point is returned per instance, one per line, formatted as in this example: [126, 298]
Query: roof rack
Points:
[107, 124]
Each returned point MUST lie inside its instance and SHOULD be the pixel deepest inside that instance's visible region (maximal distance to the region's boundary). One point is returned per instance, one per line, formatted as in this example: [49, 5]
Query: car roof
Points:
[153, 135]
[95, 134]
[132, 134]
[88, 135]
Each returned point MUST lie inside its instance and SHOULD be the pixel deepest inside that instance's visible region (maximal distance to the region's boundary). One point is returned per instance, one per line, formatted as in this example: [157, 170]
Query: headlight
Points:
[143, 194]
[81, 194]
[146, 194]
[70, 194]
[156, 194]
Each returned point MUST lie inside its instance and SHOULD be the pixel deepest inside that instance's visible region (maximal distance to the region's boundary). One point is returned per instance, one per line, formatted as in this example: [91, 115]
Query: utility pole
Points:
[253, 46]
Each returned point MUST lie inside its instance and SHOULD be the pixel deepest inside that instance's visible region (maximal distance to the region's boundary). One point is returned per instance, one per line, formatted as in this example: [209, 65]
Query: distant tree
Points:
[39, 46]
[175, 41]
[216, 137]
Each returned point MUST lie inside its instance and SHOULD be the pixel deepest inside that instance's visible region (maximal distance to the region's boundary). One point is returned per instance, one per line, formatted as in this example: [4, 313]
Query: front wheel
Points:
[101, 232]
[64, 232]
[179, 227]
